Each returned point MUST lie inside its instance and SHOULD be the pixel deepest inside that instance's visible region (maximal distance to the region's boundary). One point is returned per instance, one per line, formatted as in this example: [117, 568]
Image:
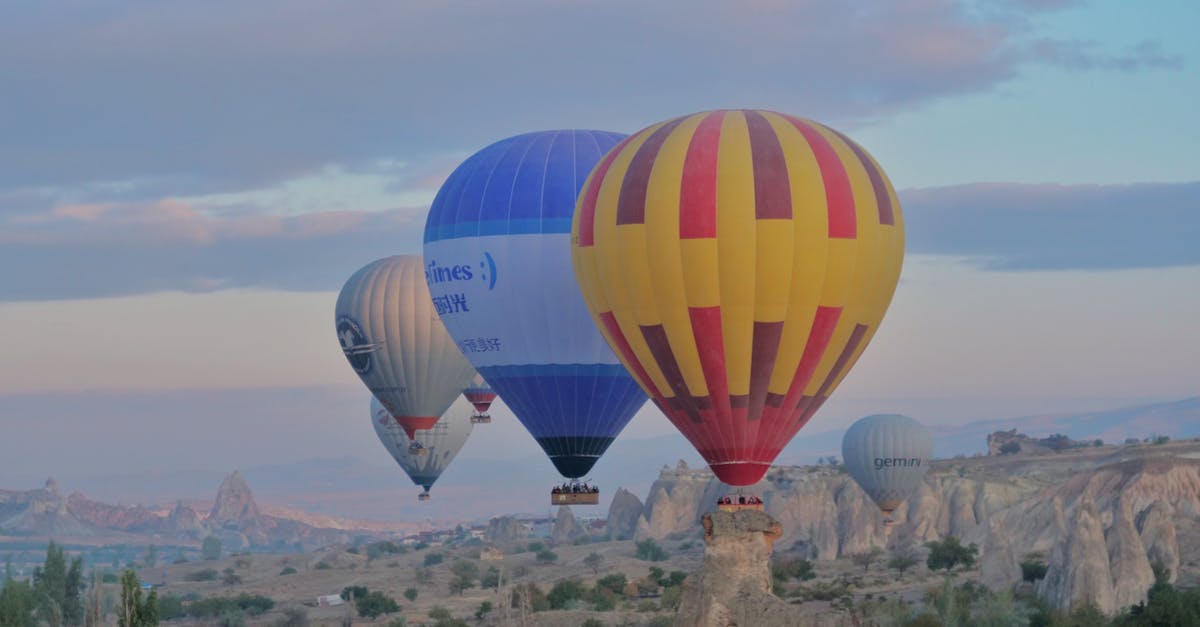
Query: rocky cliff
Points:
[1101, 517]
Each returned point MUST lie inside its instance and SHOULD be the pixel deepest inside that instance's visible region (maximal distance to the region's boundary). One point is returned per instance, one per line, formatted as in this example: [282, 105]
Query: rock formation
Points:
[505, 531]
[1077, 573]
[733, 585]
[566, 529]
[623, 515]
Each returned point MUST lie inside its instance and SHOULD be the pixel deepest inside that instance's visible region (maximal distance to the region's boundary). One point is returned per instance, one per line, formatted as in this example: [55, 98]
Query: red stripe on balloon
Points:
[614, 331]
[587, 209]
[772, 191]
[883, 201]
[698, 187]
[764, 348]
[710, 346]
[631, 204]
[856, 337]
[839, 197]
[660, 347]
[824, 322]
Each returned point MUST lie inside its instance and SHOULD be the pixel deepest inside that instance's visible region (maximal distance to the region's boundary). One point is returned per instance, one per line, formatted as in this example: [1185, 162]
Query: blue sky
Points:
[183, 188]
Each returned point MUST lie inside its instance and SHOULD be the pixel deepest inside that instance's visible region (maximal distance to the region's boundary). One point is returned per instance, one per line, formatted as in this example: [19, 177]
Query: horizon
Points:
[181, 198]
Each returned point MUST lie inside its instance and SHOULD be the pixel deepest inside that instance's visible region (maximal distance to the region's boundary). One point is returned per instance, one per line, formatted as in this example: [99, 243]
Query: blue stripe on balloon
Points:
[562, 400]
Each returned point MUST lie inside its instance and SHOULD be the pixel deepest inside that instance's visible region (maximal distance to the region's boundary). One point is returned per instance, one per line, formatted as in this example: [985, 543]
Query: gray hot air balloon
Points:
[441, 443]
[392, 336]
[888, 455]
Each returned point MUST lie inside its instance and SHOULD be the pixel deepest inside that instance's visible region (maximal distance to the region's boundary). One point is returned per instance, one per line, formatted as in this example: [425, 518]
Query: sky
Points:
[184, 188]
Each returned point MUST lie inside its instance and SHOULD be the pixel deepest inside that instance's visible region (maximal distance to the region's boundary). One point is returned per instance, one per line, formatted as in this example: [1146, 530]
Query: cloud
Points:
[149, 99]
[1058, 227]
[83, 251]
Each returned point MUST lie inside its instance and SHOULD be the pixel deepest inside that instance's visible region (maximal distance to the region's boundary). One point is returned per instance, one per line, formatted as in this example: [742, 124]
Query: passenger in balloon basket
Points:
[416, 448]
[731, 503]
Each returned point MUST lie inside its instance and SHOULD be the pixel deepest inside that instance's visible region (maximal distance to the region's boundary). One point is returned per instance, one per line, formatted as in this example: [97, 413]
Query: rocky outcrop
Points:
[505, 531]
[733, 585]
[1157, 530]
[566, 529]
[1077, 573]
[623, 515]
[1131, 572]
[234, 503]
[999, 566]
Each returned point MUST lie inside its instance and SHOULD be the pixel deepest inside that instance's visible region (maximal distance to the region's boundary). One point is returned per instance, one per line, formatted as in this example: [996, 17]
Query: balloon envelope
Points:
[392, 337]
[442, 442]
[497, 262]
[738, 262]
[888, 455]
[480, 394]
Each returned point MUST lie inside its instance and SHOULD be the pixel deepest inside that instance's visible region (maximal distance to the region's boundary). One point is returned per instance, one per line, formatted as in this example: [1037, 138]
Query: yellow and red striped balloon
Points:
[738, 262]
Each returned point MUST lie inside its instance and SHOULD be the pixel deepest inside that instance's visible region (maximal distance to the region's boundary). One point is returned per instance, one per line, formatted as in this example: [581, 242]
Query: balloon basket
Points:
[424, 496]
[417, 450]
[481, 419]
[589, 498]
[739, 503]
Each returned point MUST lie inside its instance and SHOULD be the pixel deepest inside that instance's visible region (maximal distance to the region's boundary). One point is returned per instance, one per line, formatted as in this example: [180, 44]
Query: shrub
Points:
[484, 609]
[374, 604]
[438, 612]
[950, 553]
[410, 594]
[564, 592]
[208, 574]
[670, 598]
[649, 550]
[322, 566]
[433, 559]
[287, 571]
[594, 561]
[546, 556]
[537, 599]
[490, 579]
[903, 559]
[534, 547]
[615, 582]
[354, 592]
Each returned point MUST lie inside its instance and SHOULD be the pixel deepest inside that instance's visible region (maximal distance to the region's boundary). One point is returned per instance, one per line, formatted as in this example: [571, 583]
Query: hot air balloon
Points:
[738, 262]
[888, 455]
[441, 443]
[497, 262]
[392, 337]
[480, 395]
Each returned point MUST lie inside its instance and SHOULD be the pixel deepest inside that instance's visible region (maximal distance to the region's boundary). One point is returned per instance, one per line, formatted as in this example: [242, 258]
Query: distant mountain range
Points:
[476, 489]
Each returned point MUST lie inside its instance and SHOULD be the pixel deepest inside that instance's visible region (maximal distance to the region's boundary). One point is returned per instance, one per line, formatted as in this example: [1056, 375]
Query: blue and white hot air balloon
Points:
[498, 264]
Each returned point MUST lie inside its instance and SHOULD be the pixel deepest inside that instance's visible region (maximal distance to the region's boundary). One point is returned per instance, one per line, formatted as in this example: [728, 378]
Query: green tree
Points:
[433, 559]
[650, 551]
[353, 593]
[16, 604]
[211, 548]
[615, 582]
[594, 561]
[947, 554]
[136, 611]
[546, 556]
[410, 594]
[374, 604]
[490, 579]
[564, 592]
[484, 609]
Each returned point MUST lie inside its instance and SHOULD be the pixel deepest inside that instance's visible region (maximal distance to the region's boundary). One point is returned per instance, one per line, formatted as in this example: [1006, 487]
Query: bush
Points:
[293, 617]
[287, 571]
[484, 609]
[354, 592]
[594, 561]
[534, 547]
[903, 559]
[438, 612]
[649, 550]
[490, 579]
[433, 559]
[410, 594]
[670, 598]
[615, 582]
[950, 553]
[1010, 448]
[546, 556]
[213, 607]
[785, 570]
[322, 566]
[208, 574]
[564, 592]
[537, 599]
[375, 604]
